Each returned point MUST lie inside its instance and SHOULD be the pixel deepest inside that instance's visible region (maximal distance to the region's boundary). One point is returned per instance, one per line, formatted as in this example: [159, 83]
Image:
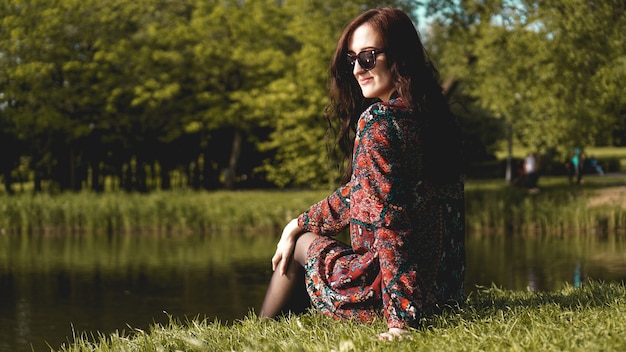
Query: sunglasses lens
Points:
[367, 59]
[350, 59]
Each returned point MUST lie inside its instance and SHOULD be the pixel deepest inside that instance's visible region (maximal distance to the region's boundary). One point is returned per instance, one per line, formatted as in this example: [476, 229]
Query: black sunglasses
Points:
[366, 58]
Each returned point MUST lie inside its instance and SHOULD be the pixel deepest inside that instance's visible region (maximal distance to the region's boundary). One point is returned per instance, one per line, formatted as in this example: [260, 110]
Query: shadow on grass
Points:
[488, 304]
[590, 294]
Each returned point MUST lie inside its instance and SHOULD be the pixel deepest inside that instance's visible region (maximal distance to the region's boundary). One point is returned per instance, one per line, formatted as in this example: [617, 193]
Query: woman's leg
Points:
[287, 292]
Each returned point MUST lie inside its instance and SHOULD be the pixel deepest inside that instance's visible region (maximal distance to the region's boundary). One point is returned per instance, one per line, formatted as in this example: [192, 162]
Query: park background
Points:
[141, 133]
[154, 95]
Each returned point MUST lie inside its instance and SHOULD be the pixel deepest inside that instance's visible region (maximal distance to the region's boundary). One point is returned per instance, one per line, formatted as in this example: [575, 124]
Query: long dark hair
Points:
[416, 84]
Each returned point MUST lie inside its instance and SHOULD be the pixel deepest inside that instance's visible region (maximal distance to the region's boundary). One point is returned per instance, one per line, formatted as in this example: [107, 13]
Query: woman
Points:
[403, 194]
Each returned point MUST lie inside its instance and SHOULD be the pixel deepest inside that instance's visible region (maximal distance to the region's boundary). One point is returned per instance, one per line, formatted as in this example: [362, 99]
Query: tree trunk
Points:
[210, 173]
[509, 157]
[127, 180]
[166, 181]
[37, 182]
[195, 175]
[231, 173]
[141, 182]
[7, 182]
[97, 184]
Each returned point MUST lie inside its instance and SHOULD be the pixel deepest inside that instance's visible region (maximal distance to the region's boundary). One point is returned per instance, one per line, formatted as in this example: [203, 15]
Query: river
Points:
[55, 287]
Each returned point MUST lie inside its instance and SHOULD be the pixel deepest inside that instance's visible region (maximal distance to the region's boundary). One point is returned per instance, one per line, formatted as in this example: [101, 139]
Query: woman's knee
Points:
[302, 247]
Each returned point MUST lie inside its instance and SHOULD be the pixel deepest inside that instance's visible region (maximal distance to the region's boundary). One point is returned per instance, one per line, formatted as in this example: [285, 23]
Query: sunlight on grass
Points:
[520, 152]
[590, 317]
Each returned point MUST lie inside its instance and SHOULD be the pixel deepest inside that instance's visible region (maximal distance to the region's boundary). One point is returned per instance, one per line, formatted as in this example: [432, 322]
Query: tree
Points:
[40, 50]
[134, 89]
[247, 50]
[541, 65]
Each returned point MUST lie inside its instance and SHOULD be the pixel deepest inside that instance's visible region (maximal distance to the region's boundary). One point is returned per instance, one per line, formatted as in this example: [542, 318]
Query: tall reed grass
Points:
[557, 209]
[154, 213]
[491, 206]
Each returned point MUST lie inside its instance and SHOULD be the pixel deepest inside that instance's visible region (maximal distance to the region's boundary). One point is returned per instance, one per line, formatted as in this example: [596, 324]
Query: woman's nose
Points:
[357, 68]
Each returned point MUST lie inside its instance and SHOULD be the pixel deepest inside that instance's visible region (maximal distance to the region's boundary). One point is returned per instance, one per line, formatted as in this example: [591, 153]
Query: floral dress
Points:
[407, 254]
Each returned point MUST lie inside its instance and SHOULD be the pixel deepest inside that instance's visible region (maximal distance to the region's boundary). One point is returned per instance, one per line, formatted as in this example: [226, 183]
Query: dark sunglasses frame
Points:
[366, 58]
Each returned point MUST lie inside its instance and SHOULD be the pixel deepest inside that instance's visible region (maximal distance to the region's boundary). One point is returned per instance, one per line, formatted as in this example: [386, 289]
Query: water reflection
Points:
[52, 287]
[543, 263]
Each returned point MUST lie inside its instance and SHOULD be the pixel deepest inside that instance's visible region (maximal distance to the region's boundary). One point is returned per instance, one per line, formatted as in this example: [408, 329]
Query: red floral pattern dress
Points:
[407, 254]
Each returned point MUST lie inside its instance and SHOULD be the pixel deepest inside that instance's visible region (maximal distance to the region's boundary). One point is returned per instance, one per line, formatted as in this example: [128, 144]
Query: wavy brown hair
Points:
[416, 83]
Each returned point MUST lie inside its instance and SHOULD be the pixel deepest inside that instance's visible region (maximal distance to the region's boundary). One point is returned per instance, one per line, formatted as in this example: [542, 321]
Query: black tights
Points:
[287, 293]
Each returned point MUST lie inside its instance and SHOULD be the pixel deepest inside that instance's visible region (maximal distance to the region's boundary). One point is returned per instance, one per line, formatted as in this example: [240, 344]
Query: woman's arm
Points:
[328, 216]
[286, 246]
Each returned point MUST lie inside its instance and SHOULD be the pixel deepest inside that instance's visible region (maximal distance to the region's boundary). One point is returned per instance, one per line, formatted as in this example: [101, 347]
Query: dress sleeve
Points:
[398, 283]
[328, 216]
[381, 202]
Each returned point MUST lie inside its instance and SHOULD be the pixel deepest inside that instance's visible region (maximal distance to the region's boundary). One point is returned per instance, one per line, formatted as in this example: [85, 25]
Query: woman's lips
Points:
[363, 81]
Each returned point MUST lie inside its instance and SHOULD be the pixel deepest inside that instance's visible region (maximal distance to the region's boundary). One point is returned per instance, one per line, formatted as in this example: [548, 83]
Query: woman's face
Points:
[376, 82]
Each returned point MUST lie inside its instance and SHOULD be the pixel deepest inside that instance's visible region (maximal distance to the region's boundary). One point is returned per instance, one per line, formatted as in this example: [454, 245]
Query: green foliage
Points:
[590, 317]
[229, 89]
[546, 67]
[299, 98]
[117, 85]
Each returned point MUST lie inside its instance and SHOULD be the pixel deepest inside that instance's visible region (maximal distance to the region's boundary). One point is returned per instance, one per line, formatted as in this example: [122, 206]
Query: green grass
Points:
[520, 152]
[175, 212]
[588, 318]
[491, 205]
[557, 208]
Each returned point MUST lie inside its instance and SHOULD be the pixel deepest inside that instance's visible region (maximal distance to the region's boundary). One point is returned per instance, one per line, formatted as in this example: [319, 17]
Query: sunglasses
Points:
[366, 58]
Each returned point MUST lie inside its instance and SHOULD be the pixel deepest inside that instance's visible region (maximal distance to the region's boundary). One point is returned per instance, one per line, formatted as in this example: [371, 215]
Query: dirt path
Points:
[609, 196]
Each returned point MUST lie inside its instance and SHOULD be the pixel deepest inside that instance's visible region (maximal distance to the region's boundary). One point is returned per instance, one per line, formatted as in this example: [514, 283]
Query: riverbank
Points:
[555, 208]
[587, 318]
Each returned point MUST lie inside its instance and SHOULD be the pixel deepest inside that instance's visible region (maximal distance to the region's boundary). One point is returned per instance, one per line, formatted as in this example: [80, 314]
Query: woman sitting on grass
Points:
[403, 193]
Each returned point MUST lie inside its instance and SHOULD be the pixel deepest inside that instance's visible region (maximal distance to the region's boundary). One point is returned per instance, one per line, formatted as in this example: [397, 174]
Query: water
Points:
[51, 307]
[54, 287]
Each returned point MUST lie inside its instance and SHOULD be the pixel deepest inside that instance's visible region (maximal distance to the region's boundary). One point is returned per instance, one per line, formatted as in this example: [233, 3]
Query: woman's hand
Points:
[286, 246]
[392, 334]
